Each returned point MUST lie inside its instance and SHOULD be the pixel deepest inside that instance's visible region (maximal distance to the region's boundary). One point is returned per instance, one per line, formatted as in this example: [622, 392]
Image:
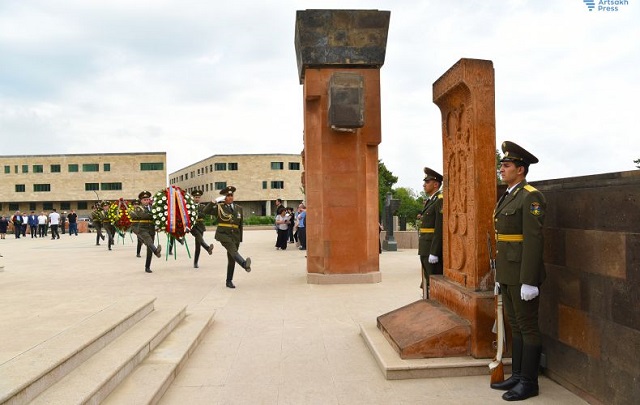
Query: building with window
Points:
[260, 180]
[66, 182]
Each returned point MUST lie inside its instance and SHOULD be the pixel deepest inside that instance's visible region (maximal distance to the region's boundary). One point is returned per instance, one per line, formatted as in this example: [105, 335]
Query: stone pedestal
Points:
[339, 54]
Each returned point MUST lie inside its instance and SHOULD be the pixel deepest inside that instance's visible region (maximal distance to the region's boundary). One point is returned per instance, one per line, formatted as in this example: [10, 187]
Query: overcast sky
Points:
[199, 78]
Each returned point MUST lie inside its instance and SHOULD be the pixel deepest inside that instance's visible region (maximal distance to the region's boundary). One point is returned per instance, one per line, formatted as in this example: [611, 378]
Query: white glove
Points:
[433, 259]
[496, 289]
[220, 199]
[528, 292]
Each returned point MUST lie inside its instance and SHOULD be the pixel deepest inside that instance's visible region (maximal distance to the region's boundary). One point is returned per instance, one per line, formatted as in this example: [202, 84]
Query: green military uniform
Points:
[518, 218]
[143, 226]
[198, 229]
[97, 217]
[430, 231]
[107, 225]
[229, 233]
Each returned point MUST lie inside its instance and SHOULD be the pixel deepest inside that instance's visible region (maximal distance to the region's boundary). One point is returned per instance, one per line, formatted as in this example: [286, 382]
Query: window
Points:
[41, 187]
[110, 186]
[32, 206]
[37, 169]
[294, 166]
[220, 185]
[106, 167]
[91, 187]
[82, 205]
[277, 165]
[206, 187]
[65, 205]
[25, 168]
[13, 207]
[277, 184]
[20, 188]
[48, 206]
[90, 167]
[73, 168]
[233, 166]
[7, 169]
[220, 166]
[15, 169]
[55, 168]
[152, 166]
[264, 185]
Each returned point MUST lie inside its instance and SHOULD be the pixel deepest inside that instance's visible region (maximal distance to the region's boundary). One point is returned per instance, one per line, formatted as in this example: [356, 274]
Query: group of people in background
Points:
[38, 226]
[290, 226]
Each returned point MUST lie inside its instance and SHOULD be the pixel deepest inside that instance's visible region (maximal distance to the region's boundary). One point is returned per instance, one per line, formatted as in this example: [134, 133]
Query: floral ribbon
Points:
[177, 211]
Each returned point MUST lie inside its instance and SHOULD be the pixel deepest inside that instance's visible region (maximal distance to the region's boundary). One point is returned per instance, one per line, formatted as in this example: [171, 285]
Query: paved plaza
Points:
[274, 339]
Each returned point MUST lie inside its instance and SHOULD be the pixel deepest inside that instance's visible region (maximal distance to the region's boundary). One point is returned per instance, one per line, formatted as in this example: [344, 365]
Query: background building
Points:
[260, 180]
[65, 182]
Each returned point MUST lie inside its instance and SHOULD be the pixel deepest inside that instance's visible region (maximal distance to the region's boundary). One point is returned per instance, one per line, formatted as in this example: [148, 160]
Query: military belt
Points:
[229, 226]
[427, 230]
[501, 237]
[142, 221]
[199, 220]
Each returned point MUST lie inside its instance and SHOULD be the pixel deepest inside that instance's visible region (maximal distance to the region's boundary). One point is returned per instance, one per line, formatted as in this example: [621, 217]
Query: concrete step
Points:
[92, 381]
[27, 375]
[149, 381]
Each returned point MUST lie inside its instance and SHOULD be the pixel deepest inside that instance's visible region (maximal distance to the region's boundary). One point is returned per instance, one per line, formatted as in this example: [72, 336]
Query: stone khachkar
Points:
[459, 317]
[339, 55]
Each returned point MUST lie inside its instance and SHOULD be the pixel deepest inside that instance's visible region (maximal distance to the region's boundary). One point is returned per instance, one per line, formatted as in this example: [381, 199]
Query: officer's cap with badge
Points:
[431, 174]
[197, 193]
[144, 194]
[517, 154]
[229, 190]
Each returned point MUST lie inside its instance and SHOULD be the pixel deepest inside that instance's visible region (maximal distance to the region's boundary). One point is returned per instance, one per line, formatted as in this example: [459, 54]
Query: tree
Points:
[410, 204]
[637, 162]
[386, 180]
[498, 158]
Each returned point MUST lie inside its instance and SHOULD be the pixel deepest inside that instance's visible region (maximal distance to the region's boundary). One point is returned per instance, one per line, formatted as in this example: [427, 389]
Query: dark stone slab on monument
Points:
[425, 329]
[340, 38]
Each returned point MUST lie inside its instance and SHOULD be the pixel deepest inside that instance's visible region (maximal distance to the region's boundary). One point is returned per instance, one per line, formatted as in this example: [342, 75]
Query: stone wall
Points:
[589, 313]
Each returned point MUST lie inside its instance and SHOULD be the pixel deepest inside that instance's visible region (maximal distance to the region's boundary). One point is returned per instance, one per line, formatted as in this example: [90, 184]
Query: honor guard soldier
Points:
[198, 229]
[229, 231]
[518, 219]
[107, 225]
[142, 225]
[97, 217]
[430, 239]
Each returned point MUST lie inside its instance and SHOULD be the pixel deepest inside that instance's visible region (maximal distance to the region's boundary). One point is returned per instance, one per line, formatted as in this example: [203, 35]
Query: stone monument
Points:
[459, 317]
[391, 205]
[339, 55]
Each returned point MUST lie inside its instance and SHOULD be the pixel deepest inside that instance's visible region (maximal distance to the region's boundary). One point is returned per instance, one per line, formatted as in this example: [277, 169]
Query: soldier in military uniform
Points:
[198, 229]
[229, 231]
[142, 225]
[430, 239]
[97, 217]
[107, 225]
[518, 219]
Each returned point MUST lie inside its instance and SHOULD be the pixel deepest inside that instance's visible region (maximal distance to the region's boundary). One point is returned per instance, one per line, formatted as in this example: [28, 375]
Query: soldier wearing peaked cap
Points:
[518, 220]
[430, 239]
[142, 225]
[229, 231]
[199, 228]
[109, 228]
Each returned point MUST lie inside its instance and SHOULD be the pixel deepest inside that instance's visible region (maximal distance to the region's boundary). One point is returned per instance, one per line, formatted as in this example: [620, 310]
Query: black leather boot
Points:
[527, 387]
[516, 365]
[246, 264]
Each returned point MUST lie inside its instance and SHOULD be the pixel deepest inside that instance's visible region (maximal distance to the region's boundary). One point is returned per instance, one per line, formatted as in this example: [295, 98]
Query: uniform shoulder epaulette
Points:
[530, 188]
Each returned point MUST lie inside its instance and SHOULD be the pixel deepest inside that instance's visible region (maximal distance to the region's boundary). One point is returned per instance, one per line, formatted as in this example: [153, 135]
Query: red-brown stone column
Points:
[339, 55]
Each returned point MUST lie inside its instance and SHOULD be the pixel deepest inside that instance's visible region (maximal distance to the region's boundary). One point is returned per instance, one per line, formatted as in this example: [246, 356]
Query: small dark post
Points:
[391, 205]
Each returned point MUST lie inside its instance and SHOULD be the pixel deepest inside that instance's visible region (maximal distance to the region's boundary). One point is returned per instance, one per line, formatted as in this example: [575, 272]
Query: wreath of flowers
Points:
[174, 211]
[118, 214]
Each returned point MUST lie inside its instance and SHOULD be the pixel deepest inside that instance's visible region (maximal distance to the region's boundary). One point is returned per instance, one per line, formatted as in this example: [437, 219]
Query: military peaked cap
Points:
[516, 153]
[197, 193]
[229, 190]
[431, 174]
[144, 194]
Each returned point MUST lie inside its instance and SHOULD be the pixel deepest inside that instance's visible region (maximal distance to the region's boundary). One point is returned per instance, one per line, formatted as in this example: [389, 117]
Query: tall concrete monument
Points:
[339, 54]
[458, 318]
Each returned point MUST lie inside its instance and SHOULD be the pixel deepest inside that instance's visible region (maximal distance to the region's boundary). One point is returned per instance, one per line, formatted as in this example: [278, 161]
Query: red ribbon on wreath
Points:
[178, 220]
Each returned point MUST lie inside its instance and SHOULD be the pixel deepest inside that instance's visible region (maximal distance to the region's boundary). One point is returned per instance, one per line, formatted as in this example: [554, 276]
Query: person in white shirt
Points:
[42, 225]
[54, 221]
